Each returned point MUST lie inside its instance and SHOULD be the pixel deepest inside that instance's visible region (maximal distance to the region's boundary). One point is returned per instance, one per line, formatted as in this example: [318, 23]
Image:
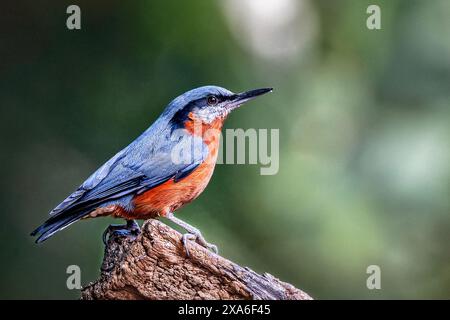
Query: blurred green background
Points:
[364, 119]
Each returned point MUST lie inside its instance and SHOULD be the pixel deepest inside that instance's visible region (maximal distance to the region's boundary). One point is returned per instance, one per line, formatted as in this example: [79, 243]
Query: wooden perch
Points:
[155, 266]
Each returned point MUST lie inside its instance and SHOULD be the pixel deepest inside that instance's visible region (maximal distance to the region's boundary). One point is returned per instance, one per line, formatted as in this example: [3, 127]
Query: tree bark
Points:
[155, 266]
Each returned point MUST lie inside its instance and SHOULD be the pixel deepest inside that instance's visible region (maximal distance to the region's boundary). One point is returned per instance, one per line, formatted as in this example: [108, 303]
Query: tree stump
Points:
[155, 266]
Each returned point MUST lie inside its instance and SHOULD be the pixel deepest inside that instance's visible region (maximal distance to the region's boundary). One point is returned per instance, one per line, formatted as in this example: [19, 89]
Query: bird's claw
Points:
[200, 240]
[213, 248]
[120, 233]
[130, 230]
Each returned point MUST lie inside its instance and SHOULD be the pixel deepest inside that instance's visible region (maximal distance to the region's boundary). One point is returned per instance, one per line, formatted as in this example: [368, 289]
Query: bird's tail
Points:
[56, 223]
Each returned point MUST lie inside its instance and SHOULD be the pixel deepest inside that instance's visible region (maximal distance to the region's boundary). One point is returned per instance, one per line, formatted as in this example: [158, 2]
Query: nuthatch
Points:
[145, 179]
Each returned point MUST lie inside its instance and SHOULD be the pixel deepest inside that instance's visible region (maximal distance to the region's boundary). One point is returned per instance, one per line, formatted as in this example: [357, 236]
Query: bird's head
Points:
[209, 104]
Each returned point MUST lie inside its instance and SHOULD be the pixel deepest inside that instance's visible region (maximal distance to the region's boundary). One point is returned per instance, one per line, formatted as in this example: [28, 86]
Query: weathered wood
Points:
[155, 266]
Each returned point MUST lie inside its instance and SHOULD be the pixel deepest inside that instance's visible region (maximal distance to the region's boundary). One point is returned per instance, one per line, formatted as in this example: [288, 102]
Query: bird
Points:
[166, 167]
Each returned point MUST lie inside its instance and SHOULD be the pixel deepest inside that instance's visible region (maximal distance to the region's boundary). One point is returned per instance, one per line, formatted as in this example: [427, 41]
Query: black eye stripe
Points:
[212, 100]
[181, 115]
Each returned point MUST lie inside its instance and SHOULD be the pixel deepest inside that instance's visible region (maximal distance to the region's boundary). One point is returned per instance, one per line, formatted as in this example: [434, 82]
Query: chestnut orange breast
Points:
[172, 195]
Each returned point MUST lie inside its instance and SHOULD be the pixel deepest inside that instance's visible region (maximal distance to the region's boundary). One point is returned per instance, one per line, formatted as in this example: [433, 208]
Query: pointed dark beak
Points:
[241, 98]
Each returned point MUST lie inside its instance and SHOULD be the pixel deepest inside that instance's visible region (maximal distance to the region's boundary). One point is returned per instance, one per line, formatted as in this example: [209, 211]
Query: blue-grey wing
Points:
[137, 168]
[90, 183]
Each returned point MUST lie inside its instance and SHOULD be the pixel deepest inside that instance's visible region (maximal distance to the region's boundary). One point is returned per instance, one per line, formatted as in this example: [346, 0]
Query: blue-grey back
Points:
[146, 162]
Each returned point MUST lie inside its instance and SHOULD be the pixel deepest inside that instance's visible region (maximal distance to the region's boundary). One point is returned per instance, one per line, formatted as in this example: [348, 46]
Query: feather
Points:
[128, 172]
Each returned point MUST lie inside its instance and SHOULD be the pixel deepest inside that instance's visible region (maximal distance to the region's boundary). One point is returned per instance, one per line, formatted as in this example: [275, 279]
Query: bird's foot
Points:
[130, 231]
[193, 234]
[197, 237]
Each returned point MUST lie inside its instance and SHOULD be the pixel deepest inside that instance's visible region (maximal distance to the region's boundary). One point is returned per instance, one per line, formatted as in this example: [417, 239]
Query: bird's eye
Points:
[212, 100]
